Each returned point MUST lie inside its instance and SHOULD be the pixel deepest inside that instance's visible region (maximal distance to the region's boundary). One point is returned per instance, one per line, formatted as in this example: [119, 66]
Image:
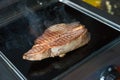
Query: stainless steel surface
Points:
[76, 5]
[5, 73]
[18, 36]
[6, 3]
[92, 68]
[8, 71]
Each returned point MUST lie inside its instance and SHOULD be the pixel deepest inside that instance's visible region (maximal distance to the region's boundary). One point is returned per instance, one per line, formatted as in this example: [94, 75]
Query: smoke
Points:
[35, 22]
[45, 17]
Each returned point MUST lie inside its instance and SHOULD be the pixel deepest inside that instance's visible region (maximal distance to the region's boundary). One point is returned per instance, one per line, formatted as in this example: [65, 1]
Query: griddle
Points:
[18, 37]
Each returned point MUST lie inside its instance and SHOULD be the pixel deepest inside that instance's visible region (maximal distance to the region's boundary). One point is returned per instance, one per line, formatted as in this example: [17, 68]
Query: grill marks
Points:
[56, 36]
[57, 40]
[66, 38]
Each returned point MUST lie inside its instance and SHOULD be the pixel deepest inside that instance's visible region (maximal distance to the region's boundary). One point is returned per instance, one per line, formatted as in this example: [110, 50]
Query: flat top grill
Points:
[16, 38]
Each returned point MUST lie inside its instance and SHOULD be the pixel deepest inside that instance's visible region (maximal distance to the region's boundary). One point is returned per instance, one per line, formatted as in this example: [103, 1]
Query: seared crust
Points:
[57, 37]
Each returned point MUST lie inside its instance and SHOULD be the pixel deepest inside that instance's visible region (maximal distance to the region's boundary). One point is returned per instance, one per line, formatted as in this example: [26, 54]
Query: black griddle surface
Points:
[18, 37]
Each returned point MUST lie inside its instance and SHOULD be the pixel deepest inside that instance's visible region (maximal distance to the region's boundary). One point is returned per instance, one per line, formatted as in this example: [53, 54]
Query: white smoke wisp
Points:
[35, 22]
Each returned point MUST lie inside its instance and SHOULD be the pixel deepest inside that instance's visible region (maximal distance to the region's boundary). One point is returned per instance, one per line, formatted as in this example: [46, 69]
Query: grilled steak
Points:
[57, 40]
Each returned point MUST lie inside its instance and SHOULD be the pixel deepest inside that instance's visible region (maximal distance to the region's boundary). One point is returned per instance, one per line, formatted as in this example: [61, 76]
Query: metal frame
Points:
[12, 67]
[94, 13]
[87, 12]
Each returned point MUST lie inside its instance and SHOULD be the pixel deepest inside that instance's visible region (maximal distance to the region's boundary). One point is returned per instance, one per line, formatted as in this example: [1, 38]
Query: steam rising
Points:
[45, 17]
[34, 20]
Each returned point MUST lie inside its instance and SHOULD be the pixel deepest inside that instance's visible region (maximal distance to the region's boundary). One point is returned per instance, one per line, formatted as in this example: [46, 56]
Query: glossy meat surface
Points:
[57, 40]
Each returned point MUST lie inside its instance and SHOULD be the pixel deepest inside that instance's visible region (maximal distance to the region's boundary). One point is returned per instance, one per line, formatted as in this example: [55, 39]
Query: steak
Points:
[57, 40]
